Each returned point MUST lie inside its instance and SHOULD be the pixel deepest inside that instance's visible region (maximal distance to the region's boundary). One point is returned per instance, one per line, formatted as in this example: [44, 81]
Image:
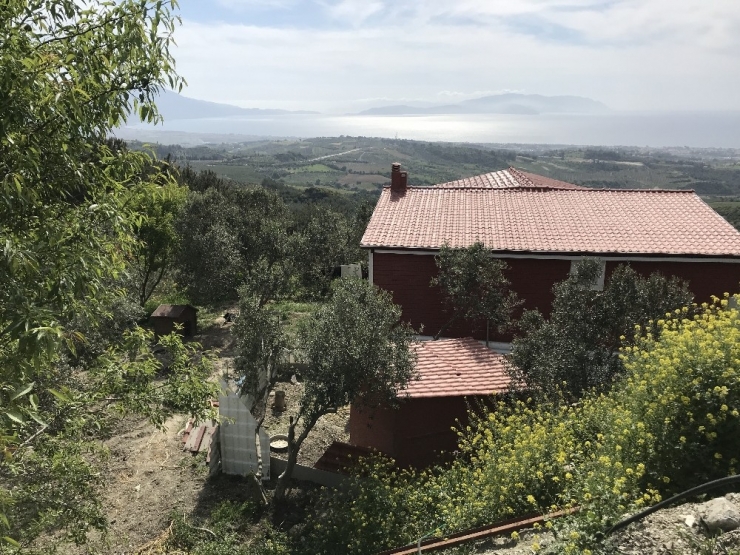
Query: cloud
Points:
[354, 12]
[240, 5]
[630, 54]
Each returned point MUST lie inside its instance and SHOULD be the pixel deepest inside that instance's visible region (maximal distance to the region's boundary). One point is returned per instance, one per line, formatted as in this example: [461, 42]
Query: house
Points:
[540, 227]
[453, 375]
[166, 316]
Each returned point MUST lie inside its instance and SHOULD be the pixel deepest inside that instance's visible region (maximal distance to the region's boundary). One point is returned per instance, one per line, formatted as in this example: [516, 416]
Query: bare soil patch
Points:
[329, 428]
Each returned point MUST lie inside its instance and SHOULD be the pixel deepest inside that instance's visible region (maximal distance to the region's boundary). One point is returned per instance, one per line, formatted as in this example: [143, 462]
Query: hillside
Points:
[357, 167]
[509, 103]
[176, 106]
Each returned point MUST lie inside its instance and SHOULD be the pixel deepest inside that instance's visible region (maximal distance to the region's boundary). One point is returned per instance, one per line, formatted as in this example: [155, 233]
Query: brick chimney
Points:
[398, 178]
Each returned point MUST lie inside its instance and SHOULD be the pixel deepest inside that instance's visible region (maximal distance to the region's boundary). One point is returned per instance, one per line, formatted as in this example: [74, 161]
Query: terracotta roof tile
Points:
[508, 179]
[542, 181]
[457, 367]
[583, 221]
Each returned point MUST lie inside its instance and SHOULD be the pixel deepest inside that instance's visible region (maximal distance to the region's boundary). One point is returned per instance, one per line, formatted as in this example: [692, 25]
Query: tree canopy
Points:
[70, 73]
[577, 347]
[353, 349]
[474, 287]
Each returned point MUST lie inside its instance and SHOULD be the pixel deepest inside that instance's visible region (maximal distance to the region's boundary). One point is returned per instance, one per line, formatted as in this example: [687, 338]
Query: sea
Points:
[643, 129]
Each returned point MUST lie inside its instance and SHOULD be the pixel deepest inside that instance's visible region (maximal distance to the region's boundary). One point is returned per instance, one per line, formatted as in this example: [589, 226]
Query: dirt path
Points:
[149, 478]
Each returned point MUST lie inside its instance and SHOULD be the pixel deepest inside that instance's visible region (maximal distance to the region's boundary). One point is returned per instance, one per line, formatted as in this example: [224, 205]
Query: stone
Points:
[720, 515]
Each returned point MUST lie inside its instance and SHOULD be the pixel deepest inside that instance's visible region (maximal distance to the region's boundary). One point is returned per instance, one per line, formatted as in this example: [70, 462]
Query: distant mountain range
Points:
[174, 106]
[509, 103]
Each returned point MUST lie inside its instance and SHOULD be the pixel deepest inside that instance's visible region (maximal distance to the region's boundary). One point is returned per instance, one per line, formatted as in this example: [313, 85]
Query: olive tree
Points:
[354, 348]
[577, 347]
[261, 344]
[234, 236]
[474, 287]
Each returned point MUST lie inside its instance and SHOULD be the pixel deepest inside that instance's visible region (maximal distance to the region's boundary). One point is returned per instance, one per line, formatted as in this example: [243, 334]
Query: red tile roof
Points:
[508, 179]
[457, 367]
[534, 220]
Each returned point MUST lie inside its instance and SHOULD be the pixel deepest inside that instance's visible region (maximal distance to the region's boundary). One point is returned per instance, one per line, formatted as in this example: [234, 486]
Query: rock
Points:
[720, 515]
[689, 520]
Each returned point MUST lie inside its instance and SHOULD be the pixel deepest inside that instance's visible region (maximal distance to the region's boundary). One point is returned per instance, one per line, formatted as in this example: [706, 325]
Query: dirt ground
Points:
[329, 428]
[150, 477]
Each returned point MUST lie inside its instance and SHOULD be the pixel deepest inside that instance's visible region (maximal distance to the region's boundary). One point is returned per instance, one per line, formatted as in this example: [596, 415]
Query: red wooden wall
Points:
[407, 277]
[417, 433]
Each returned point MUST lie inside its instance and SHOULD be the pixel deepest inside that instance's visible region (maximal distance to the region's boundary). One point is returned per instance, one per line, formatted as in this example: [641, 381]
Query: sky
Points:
[340, 56]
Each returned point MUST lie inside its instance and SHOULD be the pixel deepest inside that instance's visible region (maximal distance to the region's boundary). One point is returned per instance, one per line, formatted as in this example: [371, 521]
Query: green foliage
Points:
[326, 240]
[730, 211]
[358, 166]
[62, 466]
[379, 508]
[577, 347]
[353, 349]
[157, 236]
[70, 72]
[261, 344]
[234, 236]
[474, 286]
[669, 424]
[707, 171]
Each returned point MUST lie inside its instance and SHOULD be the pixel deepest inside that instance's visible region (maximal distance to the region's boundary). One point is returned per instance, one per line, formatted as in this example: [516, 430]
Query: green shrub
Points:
[381, 507]
[231, 529]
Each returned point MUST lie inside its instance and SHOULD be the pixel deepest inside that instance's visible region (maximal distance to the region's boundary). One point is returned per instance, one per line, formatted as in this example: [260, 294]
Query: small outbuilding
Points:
[167, 315]
[454, 374]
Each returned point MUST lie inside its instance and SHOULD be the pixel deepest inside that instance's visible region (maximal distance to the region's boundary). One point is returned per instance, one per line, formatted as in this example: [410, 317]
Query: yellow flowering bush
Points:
[670, 423]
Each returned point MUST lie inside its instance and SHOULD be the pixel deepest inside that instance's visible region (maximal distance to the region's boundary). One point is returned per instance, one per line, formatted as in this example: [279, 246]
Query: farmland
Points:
[356, 168]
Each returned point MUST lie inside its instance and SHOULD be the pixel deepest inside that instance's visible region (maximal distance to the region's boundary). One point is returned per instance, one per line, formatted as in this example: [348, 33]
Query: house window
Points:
[598, 284]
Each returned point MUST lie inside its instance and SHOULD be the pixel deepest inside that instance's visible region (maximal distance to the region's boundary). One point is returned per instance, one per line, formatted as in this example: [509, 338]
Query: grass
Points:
[240, 173]
[314, 168]
[292, 312]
